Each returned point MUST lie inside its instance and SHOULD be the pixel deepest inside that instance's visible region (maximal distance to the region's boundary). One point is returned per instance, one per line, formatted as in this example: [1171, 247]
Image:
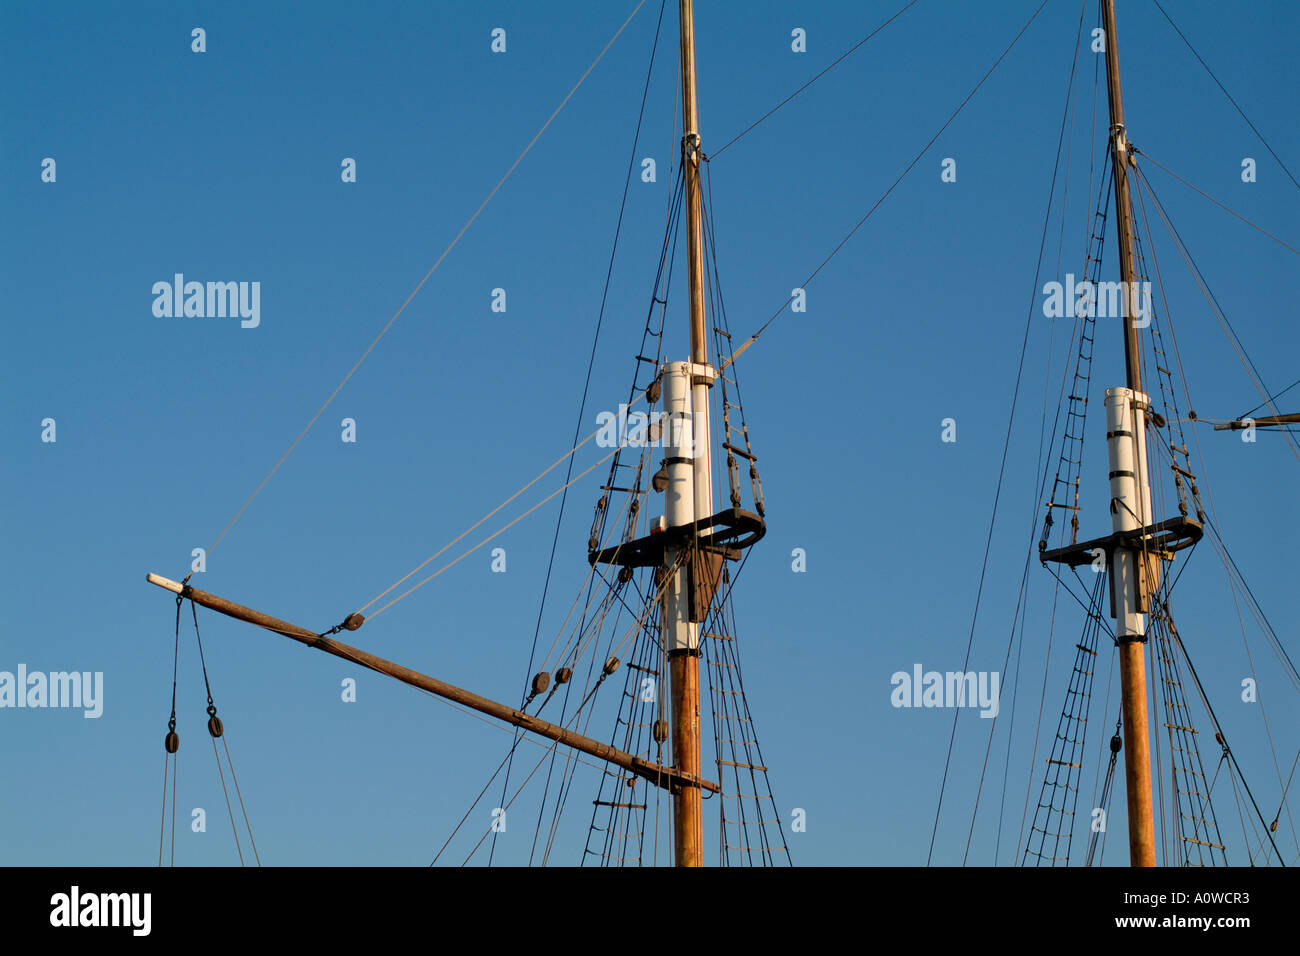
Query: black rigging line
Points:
[1224, 206]
[1080, 329]
[1226, 93]
[1222, 738]
[1024, 574]
[1024, 347]
[586, 385]
[566, 787]
[836, 62]
[169, 756]
[1105, 792]
[1270, 399]
[475, 803]
[1208, 294]
[1211, 299]
[925, 149]
[432, 269]
[220, 731]
[546, 790]
[1276, 642]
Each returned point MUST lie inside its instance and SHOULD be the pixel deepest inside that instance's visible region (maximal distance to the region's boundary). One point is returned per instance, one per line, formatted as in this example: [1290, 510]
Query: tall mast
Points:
[1124, 222]
[1133, 571]
[686, 401]
[691, 162]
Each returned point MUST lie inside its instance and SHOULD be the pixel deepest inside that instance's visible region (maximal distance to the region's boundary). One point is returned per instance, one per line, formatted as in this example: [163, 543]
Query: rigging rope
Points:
[565, 778]
[1224, 557]
[1226, 93]
[586, 386]
[834, 63]
[600, 317]
[217, 729]
[546, 471]
[1022, 603]
[507, 761]
[1024, 346]
[1079, 329]
[562, 794]
[925, 149]
[1271, 398]
[1223, 206]
[493, 535]
[171, 746]
[1256, 379]
[1221, 737]
[1268, 629]
[432, 269]
[576, 715]
[1100, 835]
[500, 767]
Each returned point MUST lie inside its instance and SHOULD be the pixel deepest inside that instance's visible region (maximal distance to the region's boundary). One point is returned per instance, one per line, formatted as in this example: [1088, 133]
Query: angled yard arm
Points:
[660, 775]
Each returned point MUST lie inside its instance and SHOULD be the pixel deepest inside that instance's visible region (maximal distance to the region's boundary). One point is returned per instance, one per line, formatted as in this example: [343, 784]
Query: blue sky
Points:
[225, 166]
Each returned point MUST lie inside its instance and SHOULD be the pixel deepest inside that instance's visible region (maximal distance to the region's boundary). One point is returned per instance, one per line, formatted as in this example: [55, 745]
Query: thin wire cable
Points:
[1024, 345]
[492, 722]
[834, 63]
[925, 149]
[586, 386]
[600, 317]
[225, 742]
[229, 809]
[212, 712]
[162, 825]
[433, 268]
[1147, 156]
[1226, 93]
[555, 464]
[1268, 628]
[1079, 334]
[495, 774]
[554, 744]
[1205, 700]
[493, 535]
[1256, 379]
[175, 763]
[1271, 398]
[1022, 602]
[1221, 548]
[171, 728]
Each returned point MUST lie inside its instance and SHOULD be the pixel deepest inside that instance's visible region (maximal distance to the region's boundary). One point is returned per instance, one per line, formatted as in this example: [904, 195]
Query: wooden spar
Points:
[1261, 422]
[691, 168]
[666, 777]
[684, 669]
[1132, 653]
[231, 609]
[1124, 221]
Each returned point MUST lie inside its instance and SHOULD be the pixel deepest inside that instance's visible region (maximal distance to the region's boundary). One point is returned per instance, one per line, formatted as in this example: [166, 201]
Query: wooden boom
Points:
[1264, 420]
[662, 776]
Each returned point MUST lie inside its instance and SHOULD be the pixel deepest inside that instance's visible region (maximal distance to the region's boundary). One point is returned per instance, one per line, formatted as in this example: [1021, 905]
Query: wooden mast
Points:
[684, 662]
[1137, 751]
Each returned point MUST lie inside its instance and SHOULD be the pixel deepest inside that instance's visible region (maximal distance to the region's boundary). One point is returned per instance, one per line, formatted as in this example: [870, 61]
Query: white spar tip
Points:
[165, 583]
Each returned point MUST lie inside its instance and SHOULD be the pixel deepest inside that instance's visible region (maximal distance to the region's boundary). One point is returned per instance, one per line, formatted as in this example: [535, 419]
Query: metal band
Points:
[1122, 474]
